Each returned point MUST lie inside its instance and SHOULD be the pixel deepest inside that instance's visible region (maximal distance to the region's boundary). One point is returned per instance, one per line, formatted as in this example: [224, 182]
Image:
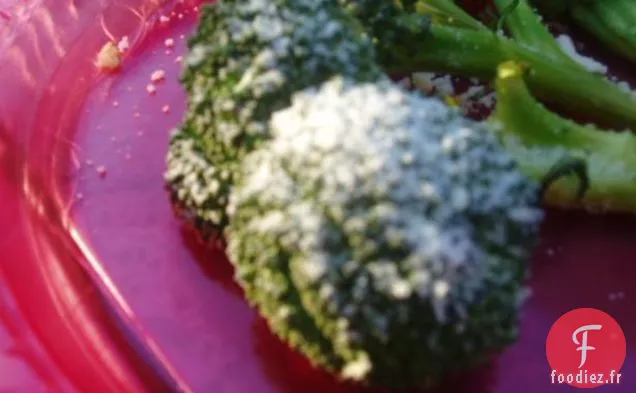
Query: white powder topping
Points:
[281, 47]
[357, 369]
[351, 140]
[429, 83]
[567, 45]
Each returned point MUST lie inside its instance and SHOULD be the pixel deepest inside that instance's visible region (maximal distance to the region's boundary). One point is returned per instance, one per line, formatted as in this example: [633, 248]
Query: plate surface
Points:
[104, 289]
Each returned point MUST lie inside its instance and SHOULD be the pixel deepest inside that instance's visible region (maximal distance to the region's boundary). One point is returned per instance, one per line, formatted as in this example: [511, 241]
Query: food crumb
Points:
[124, 44]
[109, 57]
[178, 59]
[101, 171]
[157, 76]
[165, 109]
[151, 89]
[169, 42]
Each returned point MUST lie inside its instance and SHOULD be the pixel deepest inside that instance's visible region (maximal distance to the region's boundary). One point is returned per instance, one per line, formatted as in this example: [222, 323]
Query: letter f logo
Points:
[583, 344]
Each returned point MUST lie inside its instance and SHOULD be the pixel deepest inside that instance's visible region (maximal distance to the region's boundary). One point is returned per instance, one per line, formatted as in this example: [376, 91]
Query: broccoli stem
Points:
[448, 13]
[526, 28]
[451, 49]
[539, 139]
[555, 78]
[478, 53]
[611, 21]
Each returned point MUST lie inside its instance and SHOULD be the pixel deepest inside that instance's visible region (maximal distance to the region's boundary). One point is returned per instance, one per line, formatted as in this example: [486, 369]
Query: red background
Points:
[112, 293]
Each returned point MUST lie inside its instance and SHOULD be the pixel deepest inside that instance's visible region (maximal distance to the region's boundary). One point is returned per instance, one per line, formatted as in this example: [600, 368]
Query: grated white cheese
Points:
[567, 45]
[285, 47]
[351, 140]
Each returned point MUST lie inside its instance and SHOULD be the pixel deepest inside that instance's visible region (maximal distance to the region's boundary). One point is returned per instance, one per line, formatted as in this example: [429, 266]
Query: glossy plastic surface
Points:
[104, 289]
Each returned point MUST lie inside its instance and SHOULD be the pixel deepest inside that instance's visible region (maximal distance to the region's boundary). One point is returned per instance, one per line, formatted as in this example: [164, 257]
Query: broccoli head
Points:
[383, 235]
[245, 60]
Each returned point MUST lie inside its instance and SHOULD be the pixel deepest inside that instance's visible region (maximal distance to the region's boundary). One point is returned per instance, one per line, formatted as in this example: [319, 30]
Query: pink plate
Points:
[104, 289]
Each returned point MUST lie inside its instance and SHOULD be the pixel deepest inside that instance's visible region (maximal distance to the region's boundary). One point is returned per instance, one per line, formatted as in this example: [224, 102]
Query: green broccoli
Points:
[383, 235]
[455, 42]
[611, 21]
[541, 140]
[245, 60]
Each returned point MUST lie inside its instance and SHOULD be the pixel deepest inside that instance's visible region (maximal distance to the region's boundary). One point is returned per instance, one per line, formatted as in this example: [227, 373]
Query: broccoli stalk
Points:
[541, 141]
[611, 21]
[455, 43]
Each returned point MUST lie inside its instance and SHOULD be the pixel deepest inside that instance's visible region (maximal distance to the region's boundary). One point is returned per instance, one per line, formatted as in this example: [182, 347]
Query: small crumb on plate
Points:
[109, 57]
[157, 76]
[101, 171]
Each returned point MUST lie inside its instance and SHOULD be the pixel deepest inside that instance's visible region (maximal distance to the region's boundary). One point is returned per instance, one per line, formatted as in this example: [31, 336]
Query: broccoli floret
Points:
[541, 140]
[245, 60]
[457, 43]
[382, 234]
[611, 21]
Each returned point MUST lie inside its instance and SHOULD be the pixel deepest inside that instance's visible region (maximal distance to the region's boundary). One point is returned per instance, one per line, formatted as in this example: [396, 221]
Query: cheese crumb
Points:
[109, 57]
[124, 44]
[101, 171]
[567, 45]
[158, 76]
